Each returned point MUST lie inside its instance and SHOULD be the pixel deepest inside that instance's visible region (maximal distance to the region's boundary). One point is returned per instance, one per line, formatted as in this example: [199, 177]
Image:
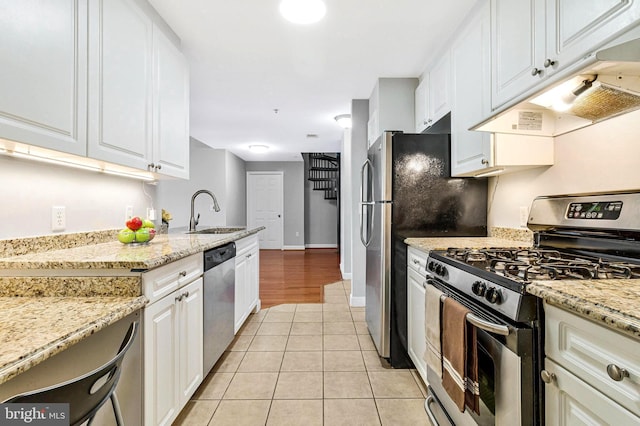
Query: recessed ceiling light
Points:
[258, 149]
[302, 11]
[343, 120]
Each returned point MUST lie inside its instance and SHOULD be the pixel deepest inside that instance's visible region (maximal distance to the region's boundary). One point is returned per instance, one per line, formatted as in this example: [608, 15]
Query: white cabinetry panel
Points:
[120, 86]
[43, 73]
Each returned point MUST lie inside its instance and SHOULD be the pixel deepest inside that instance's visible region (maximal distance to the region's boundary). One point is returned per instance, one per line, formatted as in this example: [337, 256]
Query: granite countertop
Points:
[164, 248]
[428, 244]
[615, 303]
[33, 329]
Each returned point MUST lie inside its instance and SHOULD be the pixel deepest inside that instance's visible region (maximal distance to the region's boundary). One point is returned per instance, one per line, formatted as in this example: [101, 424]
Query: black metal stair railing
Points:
[324, 172]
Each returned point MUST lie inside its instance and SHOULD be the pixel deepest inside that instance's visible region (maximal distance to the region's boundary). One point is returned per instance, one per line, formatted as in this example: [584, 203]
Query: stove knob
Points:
[478, 288]
[438, 269]
[444, 272]
[493, 295]
[430, 266]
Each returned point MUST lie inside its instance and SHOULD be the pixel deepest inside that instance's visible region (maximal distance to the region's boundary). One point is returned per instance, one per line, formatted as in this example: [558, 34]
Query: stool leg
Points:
[116, 409]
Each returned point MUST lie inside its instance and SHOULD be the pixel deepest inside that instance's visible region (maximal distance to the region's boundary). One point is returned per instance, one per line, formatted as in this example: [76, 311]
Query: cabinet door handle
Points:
[151, 166]
[424, 285]
[617, 373]
[183, 273]
[186, 294]
[416, 261]
[547, 377]
[179, 298]
[485, 161]
[159, 166]
[549, 63]
[536, 71]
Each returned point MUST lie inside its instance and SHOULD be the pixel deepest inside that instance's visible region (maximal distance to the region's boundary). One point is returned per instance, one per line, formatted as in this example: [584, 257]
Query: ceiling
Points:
[258, 79]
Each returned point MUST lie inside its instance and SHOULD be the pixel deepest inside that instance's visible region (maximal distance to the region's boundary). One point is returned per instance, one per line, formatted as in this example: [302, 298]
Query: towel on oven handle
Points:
[459, 356]
[433, 354]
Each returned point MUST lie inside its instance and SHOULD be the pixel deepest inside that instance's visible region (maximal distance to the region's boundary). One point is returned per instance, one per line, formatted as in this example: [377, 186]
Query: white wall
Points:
[602, 157]
[93, 201]
[236, 193]
[206, 171]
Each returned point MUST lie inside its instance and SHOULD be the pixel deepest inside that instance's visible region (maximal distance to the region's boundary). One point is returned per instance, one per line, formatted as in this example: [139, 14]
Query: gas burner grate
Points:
[526, 265]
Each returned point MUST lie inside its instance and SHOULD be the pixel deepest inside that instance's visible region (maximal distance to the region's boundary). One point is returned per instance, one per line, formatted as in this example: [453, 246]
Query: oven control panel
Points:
[606, 210]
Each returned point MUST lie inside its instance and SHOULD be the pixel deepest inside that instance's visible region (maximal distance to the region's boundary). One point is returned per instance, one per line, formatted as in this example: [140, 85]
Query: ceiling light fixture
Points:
[343, 120]
[303, 11]
[258, 149]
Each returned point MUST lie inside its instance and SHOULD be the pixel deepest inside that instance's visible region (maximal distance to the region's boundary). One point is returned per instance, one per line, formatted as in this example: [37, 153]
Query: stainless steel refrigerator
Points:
[407, 191]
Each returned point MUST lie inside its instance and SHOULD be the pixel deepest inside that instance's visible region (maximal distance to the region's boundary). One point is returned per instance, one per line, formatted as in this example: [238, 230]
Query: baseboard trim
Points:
[293, 248]
[321, 245]
[356, 301]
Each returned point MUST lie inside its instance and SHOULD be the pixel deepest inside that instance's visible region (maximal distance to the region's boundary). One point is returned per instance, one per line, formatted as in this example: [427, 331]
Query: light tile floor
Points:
[306, 364]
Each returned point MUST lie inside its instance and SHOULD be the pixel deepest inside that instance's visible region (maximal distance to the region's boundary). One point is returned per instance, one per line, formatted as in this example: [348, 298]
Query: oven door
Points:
[505, 378]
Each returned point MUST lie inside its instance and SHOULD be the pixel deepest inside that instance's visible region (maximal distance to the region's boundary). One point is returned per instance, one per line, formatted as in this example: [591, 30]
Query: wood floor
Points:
[297, 276]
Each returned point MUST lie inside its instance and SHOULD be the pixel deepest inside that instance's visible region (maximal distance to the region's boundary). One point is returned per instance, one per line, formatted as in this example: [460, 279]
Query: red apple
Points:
[134, 223]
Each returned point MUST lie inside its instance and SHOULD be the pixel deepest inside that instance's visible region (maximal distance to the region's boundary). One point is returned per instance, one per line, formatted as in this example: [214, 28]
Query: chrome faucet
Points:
[193, 221]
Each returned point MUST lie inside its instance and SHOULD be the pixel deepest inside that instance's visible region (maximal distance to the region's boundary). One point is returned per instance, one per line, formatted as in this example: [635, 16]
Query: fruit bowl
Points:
[137, 232]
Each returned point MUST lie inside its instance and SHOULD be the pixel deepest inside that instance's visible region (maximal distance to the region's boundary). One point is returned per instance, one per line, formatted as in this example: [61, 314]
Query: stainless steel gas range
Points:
[577, 237]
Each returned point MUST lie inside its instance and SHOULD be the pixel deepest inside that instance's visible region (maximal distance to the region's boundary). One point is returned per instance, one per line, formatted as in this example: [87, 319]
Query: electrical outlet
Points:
[58, 218]
[524, 215]
[151, 213]
[128, 213]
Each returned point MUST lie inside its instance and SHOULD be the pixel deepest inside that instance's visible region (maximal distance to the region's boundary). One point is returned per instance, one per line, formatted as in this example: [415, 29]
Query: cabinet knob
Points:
[616, 373]
[159, 166]
[547, 377]
[151, 166]
[183, 273]
[416, 261]
[424, 122]
[549, 62]
[536, 71]
[485, 161]
[179, 298]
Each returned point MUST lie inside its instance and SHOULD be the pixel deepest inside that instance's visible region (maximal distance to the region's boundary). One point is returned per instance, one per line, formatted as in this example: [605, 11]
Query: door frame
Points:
[249, 201]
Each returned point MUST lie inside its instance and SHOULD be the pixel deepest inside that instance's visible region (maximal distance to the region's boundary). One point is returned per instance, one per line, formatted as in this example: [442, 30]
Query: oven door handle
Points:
[488, 326]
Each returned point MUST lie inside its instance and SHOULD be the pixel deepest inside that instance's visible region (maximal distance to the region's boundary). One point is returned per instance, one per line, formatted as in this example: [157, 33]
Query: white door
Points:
[265, 207]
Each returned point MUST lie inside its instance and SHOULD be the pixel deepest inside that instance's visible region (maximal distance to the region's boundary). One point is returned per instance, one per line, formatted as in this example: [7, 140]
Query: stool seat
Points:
[88, 393]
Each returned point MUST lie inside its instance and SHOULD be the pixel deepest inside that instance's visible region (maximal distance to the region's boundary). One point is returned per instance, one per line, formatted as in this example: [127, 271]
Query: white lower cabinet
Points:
[247, 291]
[416, 281]
[592, 373]
[173, 367]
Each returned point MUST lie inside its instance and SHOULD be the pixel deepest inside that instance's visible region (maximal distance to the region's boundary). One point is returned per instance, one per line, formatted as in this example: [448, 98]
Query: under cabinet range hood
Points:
[607, 85]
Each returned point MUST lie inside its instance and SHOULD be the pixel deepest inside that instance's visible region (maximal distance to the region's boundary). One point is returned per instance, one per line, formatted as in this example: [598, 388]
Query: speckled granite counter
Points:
[428, 244]
[33, 329]
[164, 248]
[95, 284]
[616, 303]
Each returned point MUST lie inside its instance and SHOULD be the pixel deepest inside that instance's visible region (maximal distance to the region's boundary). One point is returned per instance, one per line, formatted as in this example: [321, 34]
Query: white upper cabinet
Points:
[470, 94]
[576, 27]
[433, 94]
[534, 39]
[120, 85]
[518, 47]
[171, 112]
[43, 73]
[421, 104]
[440, 88]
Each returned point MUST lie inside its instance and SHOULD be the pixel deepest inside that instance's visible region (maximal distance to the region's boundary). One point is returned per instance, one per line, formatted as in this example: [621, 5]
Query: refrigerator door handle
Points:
[364, 204]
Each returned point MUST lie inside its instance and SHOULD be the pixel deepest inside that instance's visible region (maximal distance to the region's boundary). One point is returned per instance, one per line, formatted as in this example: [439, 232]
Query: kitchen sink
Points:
[218, 230]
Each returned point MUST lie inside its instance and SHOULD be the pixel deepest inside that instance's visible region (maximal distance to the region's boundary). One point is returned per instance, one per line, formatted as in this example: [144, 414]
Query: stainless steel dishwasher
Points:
[219, 302]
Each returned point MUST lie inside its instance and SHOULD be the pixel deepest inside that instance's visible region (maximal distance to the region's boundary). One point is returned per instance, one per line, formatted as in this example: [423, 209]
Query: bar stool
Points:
[88, 393]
